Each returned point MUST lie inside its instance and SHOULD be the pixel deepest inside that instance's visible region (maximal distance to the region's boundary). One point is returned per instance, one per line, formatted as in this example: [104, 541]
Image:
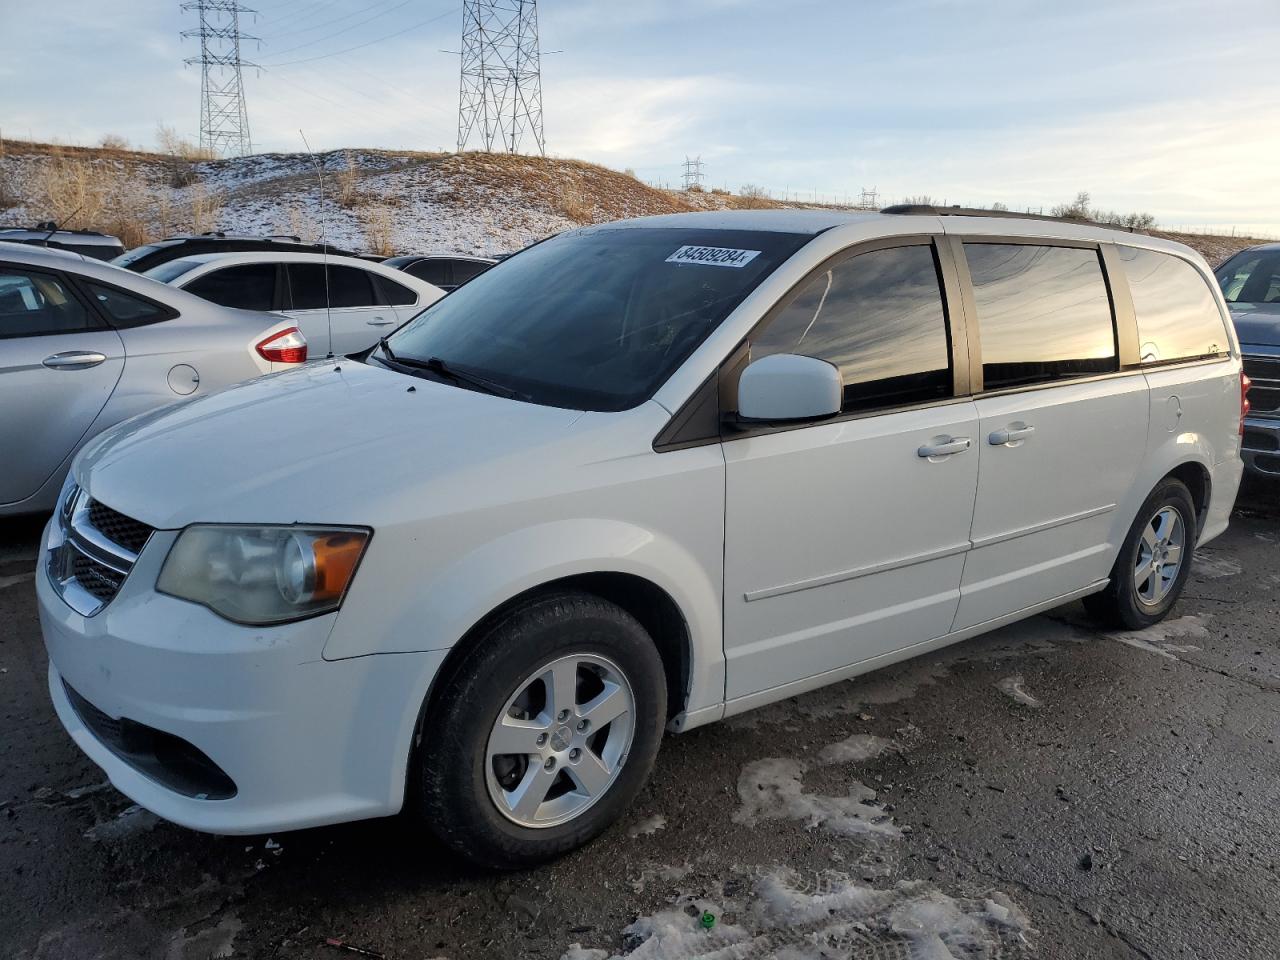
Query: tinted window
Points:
[36, 304]
[1251, 277]
[348, 287]
[124, 309]
[432, 271]
[464, 270]
[1043, 313]
[249, 286]
[879, 318]
[171, 270]
[596, 319]
[1178, 317]
[395, 294]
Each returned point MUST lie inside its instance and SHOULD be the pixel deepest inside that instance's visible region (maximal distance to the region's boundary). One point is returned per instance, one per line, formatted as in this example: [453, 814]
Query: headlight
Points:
[263, 575]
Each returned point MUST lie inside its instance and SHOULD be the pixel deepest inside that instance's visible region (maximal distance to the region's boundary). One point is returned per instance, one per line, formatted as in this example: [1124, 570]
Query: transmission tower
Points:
[869, 199]
[224, 121]
[693, 173]
[500, 96]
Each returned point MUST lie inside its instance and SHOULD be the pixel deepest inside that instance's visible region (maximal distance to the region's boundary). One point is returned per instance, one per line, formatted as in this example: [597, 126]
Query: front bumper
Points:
[1260, 447]
[304, 741]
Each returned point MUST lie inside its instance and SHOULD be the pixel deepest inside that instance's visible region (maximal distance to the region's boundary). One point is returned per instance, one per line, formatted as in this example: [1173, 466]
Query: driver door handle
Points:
[954, 445]
[74, 360]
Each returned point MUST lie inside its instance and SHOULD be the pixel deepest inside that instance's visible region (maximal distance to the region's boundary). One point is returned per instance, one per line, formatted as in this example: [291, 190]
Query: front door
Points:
[845, 540]
[1061, 433]
[58, 366]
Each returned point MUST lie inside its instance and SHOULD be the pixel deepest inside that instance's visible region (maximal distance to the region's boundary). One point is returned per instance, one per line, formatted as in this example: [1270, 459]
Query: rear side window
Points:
[464, 270]
[1178, 318]
[348, 287]
[394, 294]
[249, 286]
[879, 317]
[126, 310]
[1044, 313]
[36, 304]
[438, 272]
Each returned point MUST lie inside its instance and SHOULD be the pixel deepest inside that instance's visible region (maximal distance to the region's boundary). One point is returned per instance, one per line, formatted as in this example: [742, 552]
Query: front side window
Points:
[124, 309]
[599, 318]
[879, 317]
[436, 272]
[1178, 318]
[249, 286]
[464, 270]
[1251, 277]
[1044, 313]
[38, 304]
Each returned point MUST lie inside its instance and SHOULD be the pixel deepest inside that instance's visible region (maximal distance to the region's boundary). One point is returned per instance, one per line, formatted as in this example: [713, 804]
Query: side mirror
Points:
[786, 386]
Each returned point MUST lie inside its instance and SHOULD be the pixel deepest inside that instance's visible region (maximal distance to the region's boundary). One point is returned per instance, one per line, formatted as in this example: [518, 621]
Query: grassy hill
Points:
[380, 201]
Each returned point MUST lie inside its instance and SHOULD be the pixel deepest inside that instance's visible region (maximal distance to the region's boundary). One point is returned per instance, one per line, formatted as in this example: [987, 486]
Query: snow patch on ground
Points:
[215, 943]
[130, 821]
[1210, 566]
[647, 826]
[1014, 688]
[790, 917]
[1163, 638]
[772, 789]
[858, 748]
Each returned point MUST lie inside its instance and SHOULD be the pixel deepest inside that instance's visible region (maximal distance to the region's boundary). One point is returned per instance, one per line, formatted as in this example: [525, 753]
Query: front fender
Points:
[458, 594]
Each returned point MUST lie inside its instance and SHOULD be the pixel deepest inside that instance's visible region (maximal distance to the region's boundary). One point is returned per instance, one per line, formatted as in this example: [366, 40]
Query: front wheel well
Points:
[652, 606]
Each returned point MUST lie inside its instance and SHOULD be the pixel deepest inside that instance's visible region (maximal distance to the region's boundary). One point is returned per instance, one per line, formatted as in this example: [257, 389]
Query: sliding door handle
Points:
[943, 447]
[1011, 435]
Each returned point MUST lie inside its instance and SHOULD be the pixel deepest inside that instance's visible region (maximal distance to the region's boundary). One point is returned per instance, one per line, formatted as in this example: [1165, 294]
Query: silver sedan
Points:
[84, 345]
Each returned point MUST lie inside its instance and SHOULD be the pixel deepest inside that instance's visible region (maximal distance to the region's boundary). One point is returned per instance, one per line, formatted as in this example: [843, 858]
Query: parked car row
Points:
[743, 455]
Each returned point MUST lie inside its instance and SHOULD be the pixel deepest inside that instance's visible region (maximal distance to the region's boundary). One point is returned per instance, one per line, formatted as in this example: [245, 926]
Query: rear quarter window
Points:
[1178, 317]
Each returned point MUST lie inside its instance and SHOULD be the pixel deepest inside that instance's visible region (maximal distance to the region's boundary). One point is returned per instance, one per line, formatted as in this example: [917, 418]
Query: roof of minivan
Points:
[817, 221]
[776, 221]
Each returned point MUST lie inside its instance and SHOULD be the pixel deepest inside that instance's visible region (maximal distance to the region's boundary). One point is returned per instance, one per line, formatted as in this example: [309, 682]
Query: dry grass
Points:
[378, 220]
[348, 181]
[300, 227]
[205, 208]
[752, 197]
[181, 156]
[572, 202]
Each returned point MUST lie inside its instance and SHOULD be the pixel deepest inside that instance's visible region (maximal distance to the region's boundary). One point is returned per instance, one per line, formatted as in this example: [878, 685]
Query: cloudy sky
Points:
[1165, 106]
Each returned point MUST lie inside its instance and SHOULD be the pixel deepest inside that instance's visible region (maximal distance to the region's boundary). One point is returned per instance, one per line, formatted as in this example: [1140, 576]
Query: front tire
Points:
[1154, 561]
[545, 731]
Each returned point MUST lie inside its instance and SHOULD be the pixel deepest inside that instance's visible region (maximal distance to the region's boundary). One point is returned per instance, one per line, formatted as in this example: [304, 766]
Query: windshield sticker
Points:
[714, 256]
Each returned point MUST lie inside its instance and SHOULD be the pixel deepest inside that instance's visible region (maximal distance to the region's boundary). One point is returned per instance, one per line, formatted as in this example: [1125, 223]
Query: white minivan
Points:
[639, 476]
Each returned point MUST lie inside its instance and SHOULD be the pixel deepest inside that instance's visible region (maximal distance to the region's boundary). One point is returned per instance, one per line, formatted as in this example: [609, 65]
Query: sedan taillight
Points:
[287, 346]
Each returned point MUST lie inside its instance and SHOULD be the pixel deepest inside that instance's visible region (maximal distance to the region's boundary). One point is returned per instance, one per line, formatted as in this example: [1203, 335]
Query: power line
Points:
[337, 33]
[361, 46]
[224, 119]
[500, 88]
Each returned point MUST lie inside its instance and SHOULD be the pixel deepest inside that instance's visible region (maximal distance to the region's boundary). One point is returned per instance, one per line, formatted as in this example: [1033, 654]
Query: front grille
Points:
[115, 526]
[1264, 396]
[95, 552]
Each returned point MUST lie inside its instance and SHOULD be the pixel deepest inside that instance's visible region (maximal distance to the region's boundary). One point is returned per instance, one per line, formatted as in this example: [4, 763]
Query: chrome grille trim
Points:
[86, 566]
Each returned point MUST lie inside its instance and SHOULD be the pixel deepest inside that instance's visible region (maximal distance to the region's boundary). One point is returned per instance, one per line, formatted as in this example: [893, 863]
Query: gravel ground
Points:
[1044, 791]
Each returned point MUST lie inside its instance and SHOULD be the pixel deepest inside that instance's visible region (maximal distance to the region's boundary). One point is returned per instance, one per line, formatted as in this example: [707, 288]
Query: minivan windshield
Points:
[1251, 276]
[596, 319]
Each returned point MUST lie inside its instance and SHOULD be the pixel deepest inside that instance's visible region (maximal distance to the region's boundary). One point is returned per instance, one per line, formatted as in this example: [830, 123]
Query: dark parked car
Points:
[89, 243]
[1251, 285]
[142, 259]
[445, 271]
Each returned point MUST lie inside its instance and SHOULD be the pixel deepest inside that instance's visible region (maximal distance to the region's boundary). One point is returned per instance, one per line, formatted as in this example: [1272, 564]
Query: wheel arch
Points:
[1198, 480]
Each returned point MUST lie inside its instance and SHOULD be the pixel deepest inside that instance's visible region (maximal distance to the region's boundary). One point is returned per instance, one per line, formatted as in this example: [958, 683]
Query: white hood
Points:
[328, 443]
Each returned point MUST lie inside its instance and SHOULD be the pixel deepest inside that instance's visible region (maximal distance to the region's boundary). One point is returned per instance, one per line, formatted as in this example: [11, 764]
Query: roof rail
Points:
[924, 209]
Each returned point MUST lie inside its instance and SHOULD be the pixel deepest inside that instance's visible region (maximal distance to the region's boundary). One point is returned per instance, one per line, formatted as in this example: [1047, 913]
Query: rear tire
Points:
[1154, 561]
[525, 756]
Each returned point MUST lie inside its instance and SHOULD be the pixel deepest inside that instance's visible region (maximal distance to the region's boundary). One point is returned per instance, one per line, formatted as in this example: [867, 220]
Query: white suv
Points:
[639, 476]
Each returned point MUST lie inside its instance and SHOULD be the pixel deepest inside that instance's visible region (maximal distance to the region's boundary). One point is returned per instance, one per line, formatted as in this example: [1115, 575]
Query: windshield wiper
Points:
[440, 368]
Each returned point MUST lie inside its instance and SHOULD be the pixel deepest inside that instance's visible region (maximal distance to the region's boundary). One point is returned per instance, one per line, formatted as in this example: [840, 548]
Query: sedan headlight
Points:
[263, 575]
